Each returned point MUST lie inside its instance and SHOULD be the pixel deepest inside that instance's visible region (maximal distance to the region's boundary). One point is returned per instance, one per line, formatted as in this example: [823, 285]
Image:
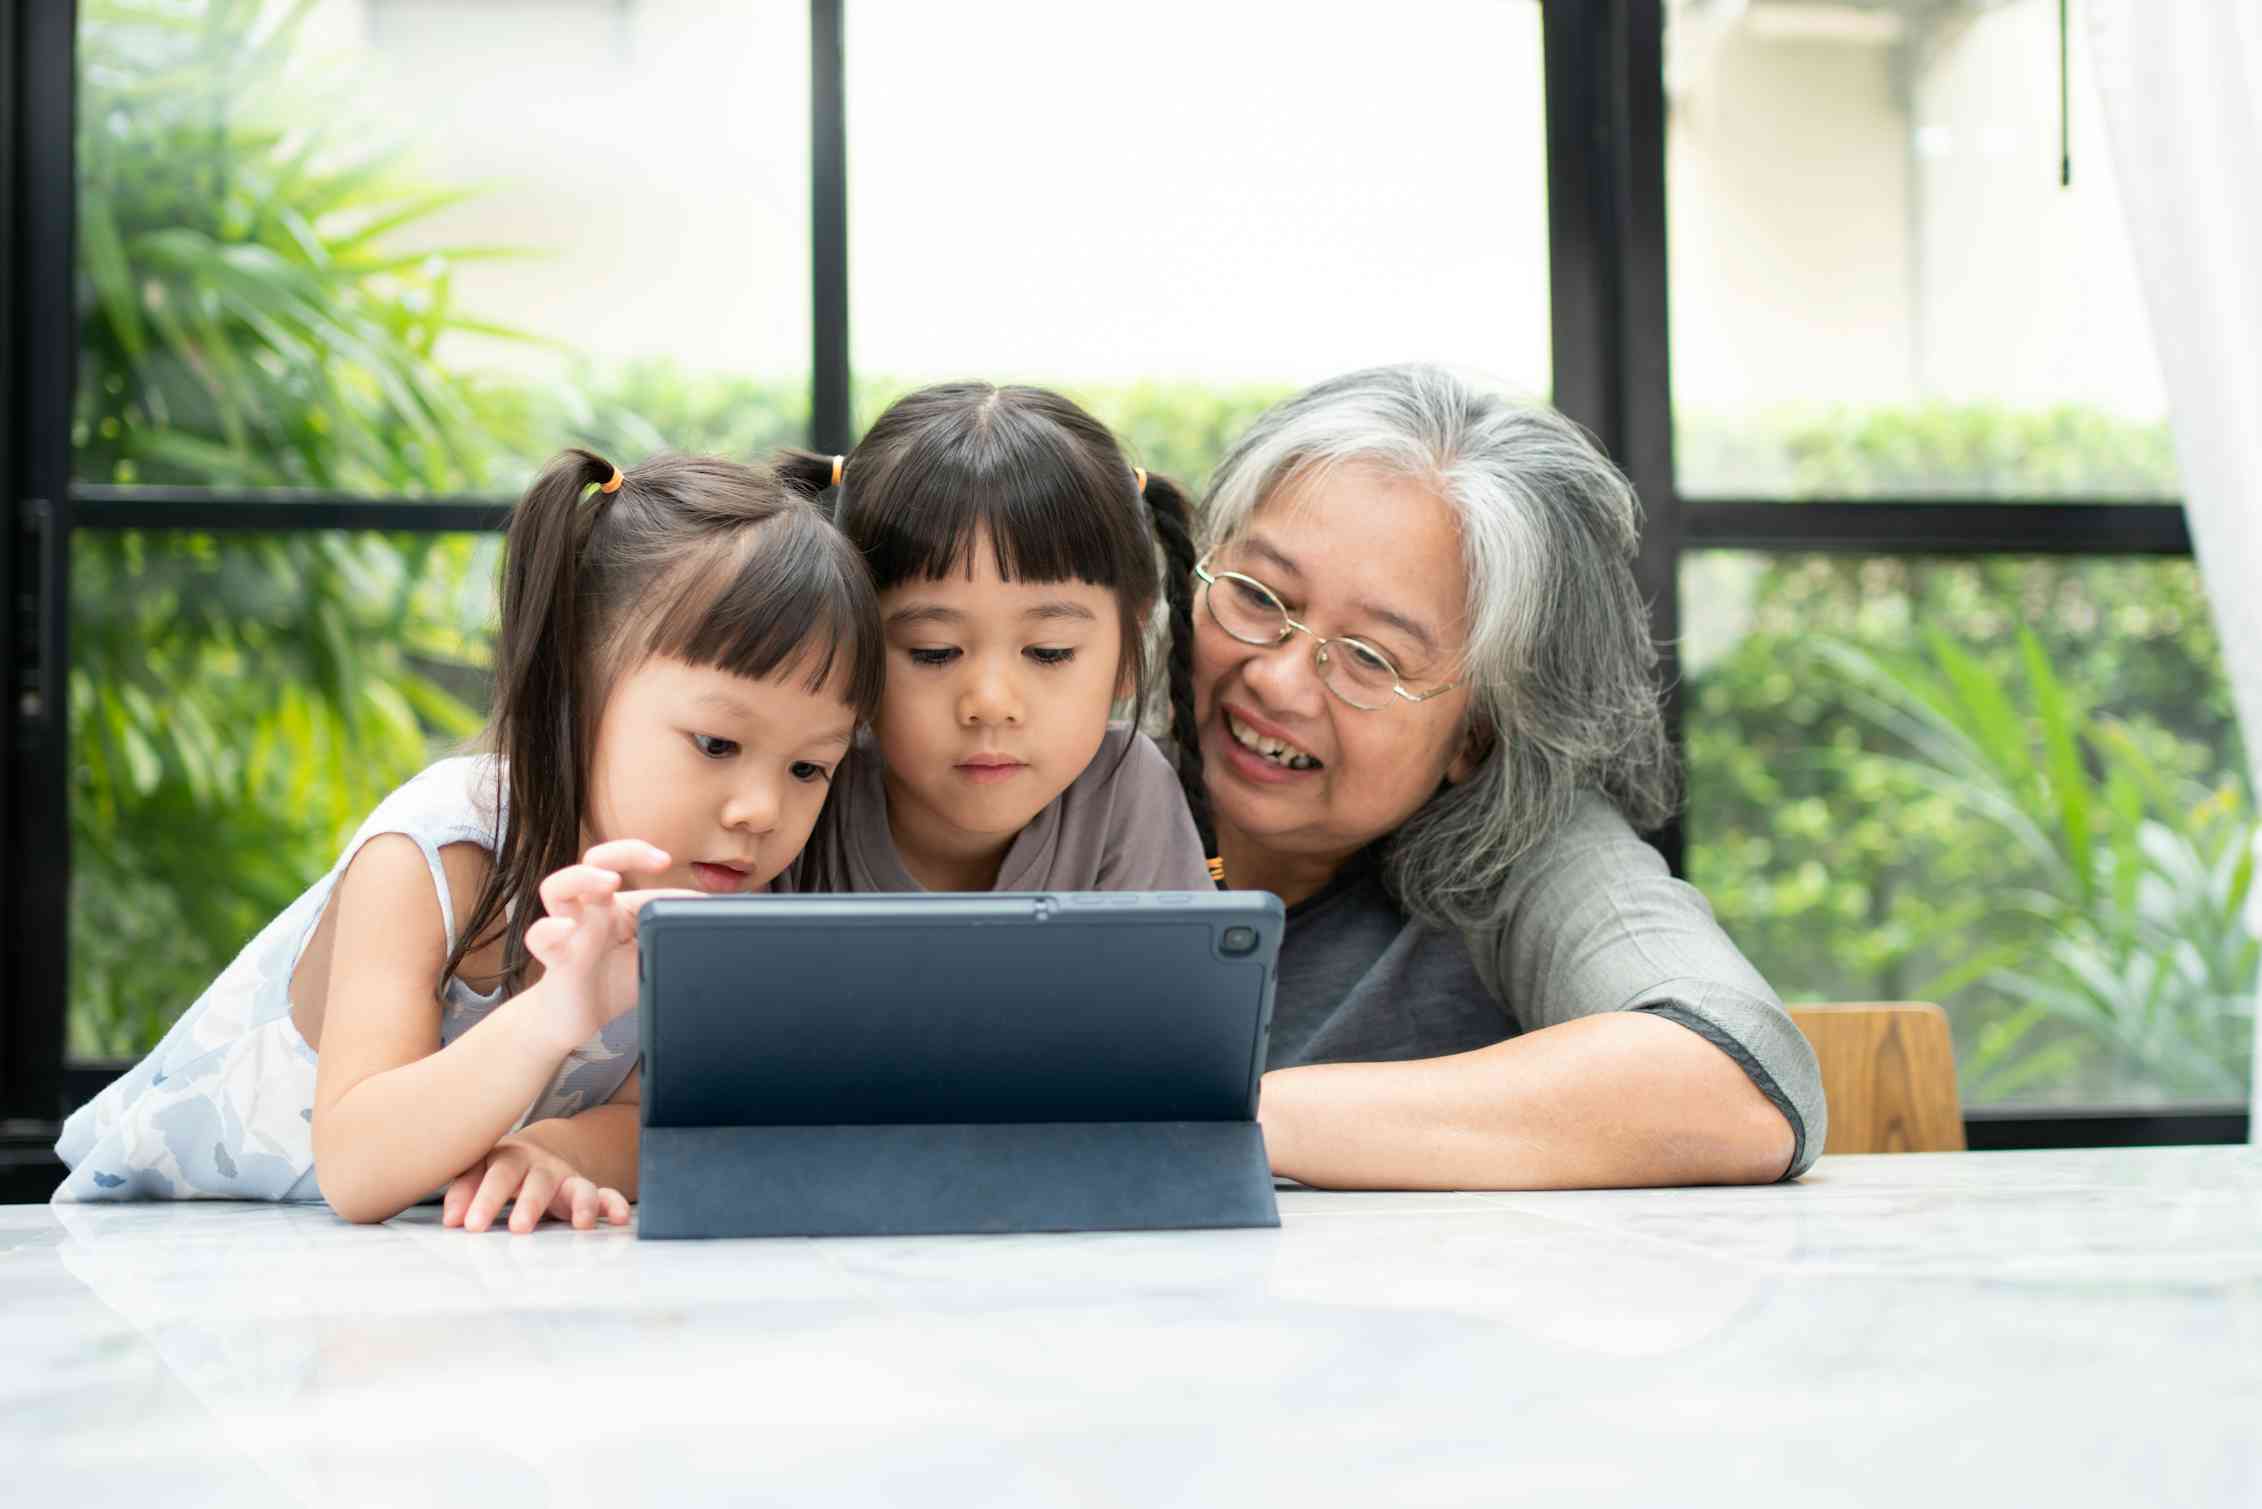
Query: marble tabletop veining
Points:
[1999, 1329]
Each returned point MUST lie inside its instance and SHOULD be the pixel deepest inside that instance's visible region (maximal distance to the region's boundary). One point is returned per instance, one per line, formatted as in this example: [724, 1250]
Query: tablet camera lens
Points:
[1239, 940]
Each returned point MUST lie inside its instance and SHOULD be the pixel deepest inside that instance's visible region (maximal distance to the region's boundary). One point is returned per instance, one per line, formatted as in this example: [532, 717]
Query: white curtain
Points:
[2179, 79]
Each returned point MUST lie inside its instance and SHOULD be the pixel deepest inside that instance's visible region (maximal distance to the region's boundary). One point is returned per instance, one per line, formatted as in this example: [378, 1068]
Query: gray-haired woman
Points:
[1429, 722]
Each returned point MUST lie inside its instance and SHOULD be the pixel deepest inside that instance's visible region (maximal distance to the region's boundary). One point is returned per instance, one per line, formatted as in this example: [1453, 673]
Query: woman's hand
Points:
[535, 1182]
[587, 942]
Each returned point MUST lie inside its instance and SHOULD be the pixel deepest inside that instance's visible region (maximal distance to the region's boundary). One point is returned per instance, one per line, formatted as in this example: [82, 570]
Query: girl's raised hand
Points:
[587, 942]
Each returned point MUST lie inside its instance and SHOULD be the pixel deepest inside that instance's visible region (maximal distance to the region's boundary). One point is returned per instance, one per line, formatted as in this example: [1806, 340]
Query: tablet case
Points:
[891, 1065]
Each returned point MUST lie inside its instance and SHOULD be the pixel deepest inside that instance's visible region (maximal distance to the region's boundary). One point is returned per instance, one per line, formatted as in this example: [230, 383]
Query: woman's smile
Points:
[1265, 741]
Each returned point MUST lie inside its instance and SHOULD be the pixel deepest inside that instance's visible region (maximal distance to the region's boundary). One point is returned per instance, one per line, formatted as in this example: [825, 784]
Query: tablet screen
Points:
[870, 1010]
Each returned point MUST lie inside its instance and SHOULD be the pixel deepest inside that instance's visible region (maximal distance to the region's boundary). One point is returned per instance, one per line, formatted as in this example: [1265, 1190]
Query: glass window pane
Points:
[2012, 786]
[395, 246]
[1185, 215]
[1879, 285]
[238, 704]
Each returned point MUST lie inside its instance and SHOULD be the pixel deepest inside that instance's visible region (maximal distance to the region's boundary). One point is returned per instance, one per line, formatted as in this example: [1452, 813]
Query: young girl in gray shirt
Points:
[1015, 551]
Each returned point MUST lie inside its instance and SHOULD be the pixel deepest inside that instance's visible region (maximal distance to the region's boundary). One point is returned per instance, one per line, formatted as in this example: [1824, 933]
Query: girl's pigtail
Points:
[1173, 523]
[540, 702]
[807, 473]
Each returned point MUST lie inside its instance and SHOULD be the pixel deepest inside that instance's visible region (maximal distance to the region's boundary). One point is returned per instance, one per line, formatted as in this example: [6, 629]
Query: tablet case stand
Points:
[753, 1181]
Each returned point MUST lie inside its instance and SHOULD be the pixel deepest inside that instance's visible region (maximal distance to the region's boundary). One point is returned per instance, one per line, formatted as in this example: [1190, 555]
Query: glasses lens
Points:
[1247, 610]
[1359, 673]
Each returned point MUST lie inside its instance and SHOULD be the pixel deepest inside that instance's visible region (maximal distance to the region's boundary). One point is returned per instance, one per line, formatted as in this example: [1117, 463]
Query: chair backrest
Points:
[1889, 1074]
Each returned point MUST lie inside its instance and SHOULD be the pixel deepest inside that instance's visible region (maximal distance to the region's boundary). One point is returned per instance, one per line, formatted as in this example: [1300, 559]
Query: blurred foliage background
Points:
[2011, 785]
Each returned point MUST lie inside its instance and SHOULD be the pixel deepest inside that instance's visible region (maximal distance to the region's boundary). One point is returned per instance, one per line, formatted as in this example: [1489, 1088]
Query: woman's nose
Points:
[1285, 676]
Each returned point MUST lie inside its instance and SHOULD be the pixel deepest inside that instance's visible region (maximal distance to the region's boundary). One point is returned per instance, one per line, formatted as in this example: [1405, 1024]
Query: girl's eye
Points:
[1050, 654]
[932, 657]
[809, 770]
[715, 749]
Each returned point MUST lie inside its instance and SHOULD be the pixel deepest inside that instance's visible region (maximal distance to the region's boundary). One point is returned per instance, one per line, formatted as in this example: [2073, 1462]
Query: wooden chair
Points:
[1889, 1074]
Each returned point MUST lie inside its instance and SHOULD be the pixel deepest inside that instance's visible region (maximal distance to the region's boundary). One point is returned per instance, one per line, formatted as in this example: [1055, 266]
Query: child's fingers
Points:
[614, 1205]
[533, 1199]
[460, 1190]
[565, 891]
[501, 1181]
[576, 1201]
[548, 935]
[629, 903]
[632, 855]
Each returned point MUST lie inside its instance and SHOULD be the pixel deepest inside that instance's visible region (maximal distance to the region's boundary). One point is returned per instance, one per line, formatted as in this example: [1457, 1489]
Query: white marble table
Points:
[2005, 1329]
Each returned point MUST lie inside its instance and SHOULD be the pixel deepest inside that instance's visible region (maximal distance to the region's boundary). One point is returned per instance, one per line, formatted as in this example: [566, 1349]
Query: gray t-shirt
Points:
[1120, 826]
[1590, 921]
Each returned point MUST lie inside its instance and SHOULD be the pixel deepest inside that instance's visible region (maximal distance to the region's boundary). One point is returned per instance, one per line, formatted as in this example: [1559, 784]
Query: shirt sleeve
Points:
[1151, 842]
[1592, 921]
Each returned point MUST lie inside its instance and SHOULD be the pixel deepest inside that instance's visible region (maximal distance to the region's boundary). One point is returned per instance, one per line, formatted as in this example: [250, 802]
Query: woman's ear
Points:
[1476, 744]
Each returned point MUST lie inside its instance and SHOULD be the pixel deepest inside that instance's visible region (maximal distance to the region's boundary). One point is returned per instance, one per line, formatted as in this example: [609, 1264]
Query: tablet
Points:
[842, 1064]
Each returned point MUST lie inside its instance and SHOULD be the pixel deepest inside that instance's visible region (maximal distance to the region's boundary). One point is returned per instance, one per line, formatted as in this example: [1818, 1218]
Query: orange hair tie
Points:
[838, 463]
[613, 485]
[1141, 473]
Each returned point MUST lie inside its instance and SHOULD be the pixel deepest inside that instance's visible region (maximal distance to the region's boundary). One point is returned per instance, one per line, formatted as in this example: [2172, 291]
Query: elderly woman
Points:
[1429, 722]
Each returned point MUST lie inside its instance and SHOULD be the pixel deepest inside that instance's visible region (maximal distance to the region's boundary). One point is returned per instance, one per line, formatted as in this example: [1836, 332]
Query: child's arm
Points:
[395, 1115]
[601, 1141]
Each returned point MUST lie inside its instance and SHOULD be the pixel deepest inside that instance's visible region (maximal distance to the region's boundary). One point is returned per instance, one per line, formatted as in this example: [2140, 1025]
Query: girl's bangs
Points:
[1048, 520]
[788, 597]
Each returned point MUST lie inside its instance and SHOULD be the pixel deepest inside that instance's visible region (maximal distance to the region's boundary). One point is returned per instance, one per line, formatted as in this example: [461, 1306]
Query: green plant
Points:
[654, 405]
[1924, 449]
[1841, 876]
[2119, 905]
[238, 702]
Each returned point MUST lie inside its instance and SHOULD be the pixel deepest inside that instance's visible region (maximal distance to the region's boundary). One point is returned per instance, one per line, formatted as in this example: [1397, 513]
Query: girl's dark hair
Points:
[1059, 500]
[703, 560]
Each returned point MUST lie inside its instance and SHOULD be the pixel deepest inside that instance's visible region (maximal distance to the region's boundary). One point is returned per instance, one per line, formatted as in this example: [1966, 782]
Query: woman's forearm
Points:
[395, 1137]
[1604, 1102]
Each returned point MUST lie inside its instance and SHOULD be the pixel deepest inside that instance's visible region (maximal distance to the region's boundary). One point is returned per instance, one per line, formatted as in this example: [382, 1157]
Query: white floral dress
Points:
[223, 1107]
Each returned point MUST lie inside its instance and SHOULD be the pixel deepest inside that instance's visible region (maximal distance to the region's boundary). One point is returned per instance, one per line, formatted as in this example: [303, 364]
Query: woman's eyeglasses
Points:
[1354, 670]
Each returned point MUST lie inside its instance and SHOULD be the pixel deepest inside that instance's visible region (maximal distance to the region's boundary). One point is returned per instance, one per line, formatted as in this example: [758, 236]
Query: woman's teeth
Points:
[1279, 751]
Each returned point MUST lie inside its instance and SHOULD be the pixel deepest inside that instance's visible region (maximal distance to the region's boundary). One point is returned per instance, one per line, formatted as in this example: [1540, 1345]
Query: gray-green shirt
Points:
[1590, 921]
[1120, 826]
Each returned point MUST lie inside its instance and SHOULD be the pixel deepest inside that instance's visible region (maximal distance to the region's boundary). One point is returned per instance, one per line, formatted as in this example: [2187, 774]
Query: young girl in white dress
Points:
[685, 653]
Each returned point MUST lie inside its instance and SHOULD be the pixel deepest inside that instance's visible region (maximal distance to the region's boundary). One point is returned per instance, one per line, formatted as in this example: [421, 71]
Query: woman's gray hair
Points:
[1560, 661]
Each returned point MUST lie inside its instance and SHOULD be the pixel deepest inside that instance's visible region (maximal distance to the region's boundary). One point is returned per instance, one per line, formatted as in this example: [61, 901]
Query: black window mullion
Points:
[831, 407]
[1931, 526]
[198, 508]
[38, 334]
[1607, 280]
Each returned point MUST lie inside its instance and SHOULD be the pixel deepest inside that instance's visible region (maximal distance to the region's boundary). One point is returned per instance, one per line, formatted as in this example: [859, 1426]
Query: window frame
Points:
[1613, 373]
[1605, 143]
